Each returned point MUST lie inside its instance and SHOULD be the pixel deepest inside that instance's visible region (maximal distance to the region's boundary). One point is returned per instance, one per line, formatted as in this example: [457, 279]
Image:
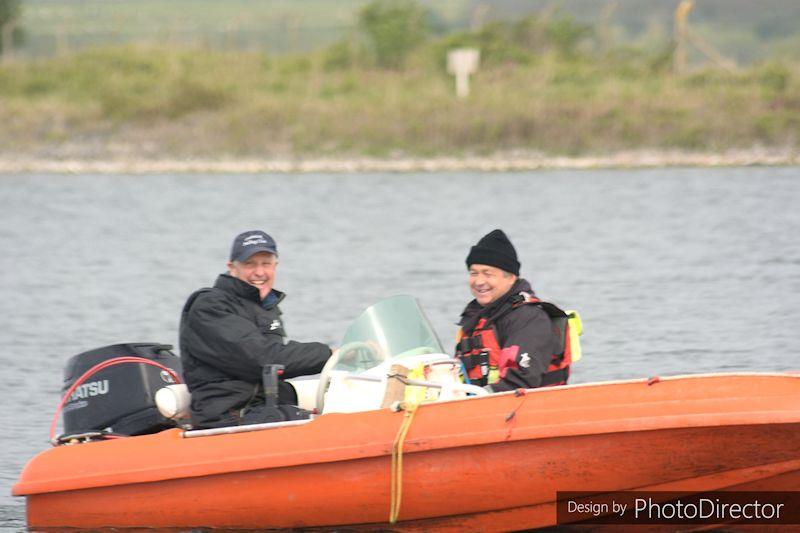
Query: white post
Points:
[462, 62]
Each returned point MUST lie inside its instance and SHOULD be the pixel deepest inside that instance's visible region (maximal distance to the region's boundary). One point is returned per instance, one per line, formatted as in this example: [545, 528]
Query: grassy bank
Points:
[160, 102]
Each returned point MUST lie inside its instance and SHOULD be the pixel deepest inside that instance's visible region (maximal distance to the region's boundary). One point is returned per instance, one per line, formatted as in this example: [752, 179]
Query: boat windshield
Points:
[392, 328]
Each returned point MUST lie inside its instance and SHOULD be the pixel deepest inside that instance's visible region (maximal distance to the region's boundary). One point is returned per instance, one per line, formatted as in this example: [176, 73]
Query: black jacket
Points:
[526, 326]
[226, 337]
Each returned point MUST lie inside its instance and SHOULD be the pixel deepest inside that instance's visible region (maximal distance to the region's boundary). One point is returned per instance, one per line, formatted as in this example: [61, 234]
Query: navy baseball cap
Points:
[251, 242]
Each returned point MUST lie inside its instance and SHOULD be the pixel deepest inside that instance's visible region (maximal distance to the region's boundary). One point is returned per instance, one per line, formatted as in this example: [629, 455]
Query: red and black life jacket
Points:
[487, 362]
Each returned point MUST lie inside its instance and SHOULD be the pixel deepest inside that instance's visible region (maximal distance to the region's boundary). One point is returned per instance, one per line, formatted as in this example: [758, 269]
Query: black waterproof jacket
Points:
[226, 337]
[526, 326]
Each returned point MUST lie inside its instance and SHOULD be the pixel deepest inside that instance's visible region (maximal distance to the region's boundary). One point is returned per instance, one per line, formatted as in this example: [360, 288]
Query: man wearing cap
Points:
[228, 333]
[506, 338]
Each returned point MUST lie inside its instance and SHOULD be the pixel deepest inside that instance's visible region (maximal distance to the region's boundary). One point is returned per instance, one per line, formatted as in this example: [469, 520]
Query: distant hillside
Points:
[745, 30]
[778, 16]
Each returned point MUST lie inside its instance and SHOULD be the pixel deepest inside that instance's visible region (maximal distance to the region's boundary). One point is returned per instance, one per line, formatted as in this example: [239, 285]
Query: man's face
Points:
[488, 283]
[258, 270]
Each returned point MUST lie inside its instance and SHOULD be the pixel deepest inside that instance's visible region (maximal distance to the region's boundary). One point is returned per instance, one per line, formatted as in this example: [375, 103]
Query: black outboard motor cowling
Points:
[121, 398]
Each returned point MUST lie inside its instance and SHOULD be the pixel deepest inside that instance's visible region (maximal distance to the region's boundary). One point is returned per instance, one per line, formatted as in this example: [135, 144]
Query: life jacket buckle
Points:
[479, 359]
[483, 359]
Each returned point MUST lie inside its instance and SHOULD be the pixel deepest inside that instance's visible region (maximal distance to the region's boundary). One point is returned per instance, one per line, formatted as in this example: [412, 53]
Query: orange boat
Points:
[484, 463]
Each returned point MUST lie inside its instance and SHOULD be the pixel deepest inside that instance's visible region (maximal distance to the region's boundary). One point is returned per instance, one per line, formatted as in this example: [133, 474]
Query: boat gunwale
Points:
[414, 444]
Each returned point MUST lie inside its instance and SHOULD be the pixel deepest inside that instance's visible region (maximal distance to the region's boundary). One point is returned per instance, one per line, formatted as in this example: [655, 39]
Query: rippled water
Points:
[673, 270]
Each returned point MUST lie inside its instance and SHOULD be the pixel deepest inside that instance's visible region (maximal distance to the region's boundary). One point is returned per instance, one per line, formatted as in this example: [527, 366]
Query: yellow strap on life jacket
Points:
[575, 331]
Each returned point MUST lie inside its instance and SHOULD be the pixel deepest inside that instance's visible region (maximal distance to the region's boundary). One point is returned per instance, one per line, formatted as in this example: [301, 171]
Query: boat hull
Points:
[493, 463]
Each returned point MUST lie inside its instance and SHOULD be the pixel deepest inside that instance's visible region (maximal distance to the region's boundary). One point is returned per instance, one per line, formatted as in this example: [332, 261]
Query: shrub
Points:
[565, 34]
[9, 12]
[393, 29]
[338, 56]
[775, 77]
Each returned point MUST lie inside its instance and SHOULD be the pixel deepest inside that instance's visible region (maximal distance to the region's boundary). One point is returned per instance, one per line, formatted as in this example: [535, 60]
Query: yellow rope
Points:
[397, 462]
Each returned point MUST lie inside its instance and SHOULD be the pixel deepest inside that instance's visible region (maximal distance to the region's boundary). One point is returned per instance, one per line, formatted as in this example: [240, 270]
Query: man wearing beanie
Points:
[507, 338]
[230, 332]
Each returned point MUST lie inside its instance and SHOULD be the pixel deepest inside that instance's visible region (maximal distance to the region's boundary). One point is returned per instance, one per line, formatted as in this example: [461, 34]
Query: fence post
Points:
[604, 29]
[681, 14]
[8, 40]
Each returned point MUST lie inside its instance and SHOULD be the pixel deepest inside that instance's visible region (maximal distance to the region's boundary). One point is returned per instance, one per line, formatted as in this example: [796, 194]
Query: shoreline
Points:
[512, 161]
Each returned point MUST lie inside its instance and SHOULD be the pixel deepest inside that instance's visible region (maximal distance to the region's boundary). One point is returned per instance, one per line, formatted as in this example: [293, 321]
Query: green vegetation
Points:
[545, 84]
[9, 16]
[394, 28]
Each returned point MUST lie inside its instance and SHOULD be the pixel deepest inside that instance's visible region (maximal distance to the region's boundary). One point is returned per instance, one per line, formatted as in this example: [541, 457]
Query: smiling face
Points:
[488, 283]
[258, 270]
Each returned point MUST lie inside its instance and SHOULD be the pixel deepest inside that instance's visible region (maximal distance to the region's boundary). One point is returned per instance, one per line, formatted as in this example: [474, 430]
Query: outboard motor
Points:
[121, 398]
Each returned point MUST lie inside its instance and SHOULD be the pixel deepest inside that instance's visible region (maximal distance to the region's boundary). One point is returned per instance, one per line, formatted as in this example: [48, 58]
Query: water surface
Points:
[673, 270]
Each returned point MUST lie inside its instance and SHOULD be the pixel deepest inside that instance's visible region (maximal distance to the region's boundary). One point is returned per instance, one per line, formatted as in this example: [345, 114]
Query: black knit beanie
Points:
[494, 249]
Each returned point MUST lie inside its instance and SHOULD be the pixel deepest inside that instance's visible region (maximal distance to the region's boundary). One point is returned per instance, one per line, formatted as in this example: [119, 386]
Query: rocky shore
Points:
[512, 161]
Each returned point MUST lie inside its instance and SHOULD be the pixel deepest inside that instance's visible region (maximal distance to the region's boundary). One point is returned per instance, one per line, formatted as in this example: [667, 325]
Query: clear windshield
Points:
[392, 328]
